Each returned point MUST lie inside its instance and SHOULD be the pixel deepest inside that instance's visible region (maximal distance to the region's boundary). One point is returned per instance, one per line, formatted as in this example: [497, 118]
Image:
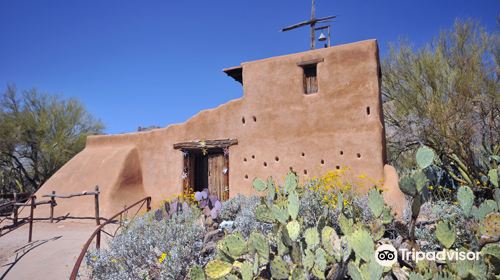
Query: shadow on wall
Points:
[129, 185]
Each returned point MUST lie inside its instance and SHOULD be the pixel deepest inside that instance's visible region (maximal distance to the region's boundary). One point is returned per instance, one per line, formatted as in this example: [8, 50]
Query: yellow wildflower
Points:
[162, 258]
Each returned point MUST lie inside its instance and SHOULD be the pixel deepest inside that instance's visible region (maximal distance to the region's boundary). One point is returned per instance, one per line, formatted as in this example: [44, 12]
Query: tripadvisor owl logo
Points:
[386, 255]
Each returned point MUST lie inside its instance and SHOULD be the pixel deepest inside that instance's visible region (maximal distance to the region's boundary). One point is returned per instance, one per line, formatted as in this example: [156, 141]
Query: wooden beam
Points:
[207, 144]
[310, 62]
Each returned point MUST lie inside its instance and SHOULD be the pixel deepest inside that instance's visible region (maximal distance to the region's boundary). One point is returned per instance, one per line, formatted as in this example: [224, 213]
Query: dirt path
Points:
[51, 255]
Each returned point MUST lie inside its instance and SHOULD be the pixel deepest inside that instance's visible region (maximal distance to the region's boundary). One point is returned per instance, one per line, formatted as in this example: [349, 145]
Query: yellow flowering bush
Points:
[330, 185]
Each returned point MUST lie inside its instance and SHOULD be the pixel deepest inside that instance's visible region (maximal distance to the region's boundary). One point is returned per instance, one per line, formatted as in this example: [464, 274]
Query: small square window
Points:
[310, 78]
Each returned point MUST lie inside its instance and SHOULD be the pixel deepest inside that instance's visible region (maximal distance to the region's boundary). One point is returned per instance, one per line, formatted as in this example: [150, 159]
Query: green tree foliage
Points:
[38, 134]
[446, 96]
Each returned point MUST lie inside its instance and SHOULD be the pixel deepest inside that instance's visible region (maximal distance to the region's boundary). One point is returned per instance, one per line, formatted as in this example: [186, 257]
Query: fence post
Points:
[32, 209]
[148, 204]
[15, 209]
[52, 205]
[97, 219]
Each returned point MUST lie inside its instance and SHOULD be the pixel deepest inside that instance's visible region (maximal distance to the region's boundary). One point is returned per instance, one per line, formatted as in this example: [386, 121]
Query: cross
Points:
[312, 23]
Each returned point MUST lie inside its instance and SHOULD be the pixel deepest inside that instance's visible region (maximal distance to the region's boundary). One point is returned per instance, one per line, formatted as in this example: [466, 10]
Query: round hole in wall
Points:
[265, 163]
[322, 161]
[368, 110]
[341, 152]
[244, 159]
[303, 154]
[276, 158]
[358, 155]
[254, 118]
[246, 176]
[338, 166]
[253, 156]
[243, 120]
[305, 171]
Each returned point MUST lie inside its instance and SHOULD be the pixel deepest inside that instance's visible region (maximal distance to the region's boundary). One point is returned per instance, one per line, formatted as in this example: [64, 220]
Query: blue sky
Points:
[141, 63]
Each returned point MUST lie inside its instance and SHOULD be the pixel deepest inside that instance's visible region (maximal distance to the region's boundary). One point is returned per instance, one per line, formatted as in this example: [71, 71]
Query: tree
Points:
[38, 134]
[445, 95]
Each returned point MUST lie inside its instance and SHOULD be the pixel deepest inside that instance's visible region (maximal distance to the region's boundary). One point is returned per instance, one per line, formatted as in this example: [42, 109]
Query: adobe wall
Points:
[310, 133]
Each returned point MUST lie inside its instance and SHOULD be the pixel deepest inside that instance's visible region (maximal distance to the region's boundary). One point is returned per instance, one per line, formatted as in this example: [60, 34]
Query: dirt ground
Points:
[51, 254]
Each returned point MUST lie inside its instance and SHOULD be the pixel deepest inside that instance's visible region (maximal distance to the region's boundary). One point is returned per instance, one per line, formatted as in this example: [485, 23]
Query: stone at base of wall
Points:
[392, 194]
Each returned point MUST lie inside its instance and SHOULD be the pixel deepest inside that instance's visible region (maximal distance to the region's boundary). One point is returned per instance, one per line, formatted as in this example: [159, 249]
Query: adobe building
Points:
[309, 112]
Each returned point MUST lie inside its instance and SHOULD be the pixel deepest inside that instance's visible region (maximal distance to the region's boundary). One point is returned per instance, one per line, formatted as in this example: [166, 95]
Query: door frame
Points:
[204, 146]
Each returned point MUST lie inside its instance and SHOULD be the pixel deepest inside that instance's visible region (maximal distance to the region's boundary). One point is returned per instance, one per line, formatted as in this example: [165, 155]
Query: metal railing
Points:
[97, 233]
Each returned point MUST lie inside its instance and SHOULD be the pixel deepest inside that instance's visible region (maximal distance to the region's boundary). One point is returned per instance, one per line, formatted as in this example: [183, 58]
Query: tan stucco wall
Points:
[288, 123]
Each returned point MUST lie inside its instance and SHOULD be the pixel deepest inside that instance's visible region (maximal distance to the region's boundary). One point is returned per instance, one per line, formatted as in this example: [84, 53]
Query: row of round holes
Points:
[303, 154]
[244, 121]
[276, 158]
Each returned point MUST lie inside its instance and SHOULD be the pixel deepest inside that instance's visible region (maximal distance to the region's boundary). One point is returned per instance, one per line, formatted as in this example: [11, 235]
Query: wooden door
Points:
[217, 176]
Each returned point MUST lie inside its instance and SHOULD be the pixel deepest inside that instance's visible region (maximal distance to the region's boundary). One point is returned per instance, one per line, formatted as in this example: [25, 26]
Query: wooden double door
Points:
[207, 170]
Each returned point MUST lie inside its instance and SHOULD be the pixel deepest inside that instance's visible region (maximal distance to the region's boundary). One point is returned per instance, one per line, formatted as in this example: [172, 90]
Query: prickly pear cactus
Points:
[320, 263]
[291, 182]
[445, 233]
[407, 185]
[362, 244]
[345, 224]
[246, 271]
[354, 272]
[259, 185]
[491, 224]
[371, 270]
[234, 245]
[263, 214]
[280, 214]
[196, 273]
[279, 268]
[484, 209]
[465, 197]
[293, 228]
[420, 180]
[216, 269]
[293, 204]
[312, 237]
[259, 244]
[425, 157]
[493, 177]
[375, 202]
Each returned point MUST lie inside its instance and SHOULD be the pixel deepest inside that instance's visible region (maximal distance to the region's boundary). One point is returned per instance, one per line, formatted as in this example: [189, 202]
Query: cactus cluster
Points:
[295, 251]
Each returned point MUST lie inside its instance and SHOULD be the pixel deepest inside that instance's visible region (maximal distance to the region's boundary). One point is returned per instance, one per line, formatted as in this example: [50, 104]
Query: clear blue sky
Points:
[140, 63]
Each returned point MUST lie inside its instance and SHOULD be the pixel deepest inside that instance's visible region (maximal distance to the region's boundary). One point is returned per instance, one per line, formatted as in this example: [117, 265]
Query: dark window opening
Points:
[200, 171]
[310, 78]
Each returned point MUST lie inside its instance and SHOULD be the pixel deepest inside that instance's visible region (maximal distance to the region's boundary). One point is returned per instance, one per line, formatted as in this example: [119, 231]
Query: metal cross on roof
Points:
[312, 23]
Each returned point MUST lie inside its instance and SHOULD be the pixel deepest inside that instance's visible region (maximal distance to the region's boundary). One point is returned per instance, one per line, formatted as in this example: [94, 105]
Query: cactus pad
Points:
[445, 233]
[293, 229]
[466, 199]
[279, 268]
[425, 157]
[217, 269]
[259, 185]
[362, 244]
[375, 202]
[196, 273]
[491, 224]
[312, 237]
[293, 204]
